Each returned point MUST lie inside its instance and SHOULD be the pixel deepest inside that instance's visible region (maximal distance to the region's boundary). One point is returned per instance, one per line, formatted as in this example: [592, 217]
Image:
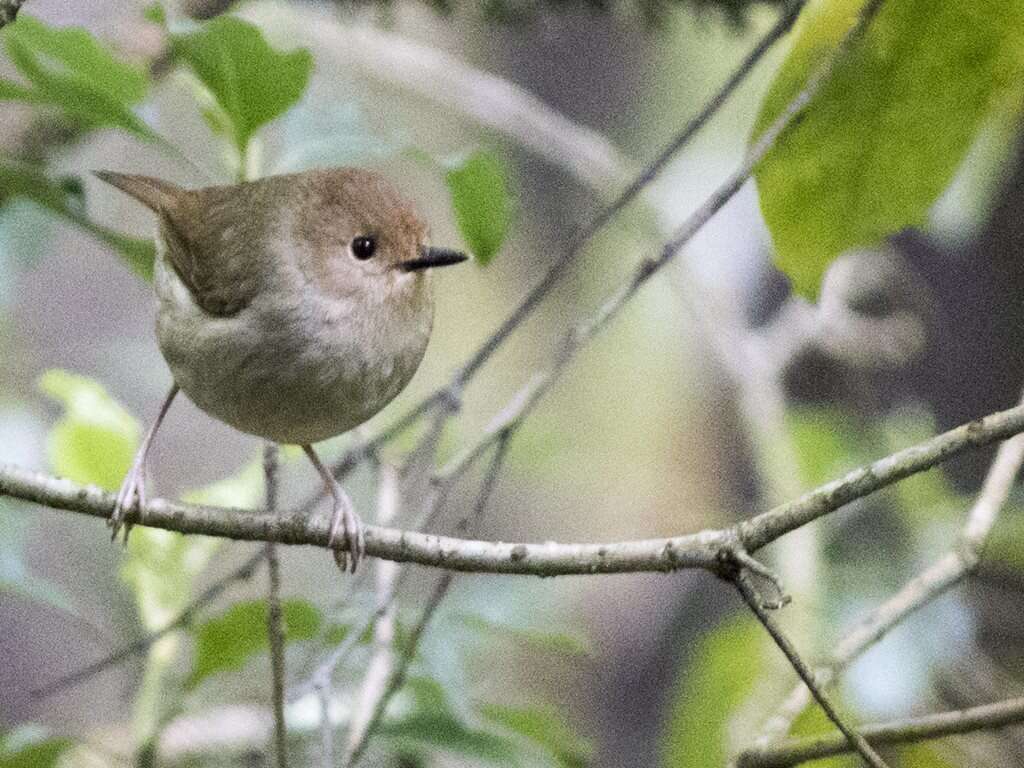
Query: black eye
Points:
[363, 247]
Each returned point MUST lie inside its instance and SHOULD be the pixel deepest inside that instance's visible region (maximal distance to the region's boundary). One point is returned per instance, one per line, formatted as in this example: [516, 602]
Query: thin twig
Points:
[379, 668]
[275, 616]
[585, 331]
[796, 751]
[243, 573]
[323, 696]
[933, 581]
[358, 747]
[451, 392]
[697, 550]
[753, 600]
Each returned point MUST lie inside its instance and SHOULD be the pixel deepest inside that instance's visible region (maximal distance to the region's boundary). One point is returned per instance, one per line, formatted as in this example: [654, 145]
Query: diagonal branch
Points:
[855, 741]
[697, 550]
[932, 582]
[796, 751]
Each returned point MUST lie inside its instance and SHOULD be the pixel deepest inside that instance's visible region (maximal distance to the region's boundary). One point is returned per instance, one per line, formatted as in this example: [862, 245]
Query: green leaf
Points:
[95, 438]
[31, 747]
[432, 722]
[250, 81]
[228, 641]
[29, 182]
[480, 198]
[69, 69]
[883, 137]
[721, 675]
[546, 728]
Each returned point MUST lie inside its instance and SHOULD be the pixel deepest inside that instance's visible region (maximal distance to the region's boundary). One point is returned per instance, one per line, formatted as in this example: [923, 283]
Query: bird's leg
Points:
[133, 489]
[343, 516]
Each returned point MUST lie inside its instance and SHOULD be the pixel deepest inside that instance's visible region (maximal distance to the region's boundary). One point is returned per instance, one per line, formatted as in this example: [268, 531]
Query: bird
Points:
[292, 307]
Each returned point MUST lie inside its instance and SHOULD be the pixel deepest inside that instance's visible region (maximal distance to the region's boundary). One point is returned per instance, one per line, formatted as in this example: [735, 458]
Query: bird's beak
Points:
[433, 257]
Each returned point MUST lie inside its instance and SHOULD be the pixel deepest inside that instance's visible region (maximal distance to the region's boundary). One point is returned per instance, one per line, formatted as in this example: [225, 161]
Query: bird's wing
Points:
[211, 237]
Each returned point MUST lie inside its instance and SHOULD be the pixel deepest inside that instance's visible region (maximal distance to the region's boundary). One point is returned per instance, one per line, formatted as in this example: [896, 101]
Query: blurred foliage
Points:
[431, 722]
[890, 127]
[251, 83]
[226, 642]
[31, 747]
[69, 70]
[651, 12]
[546, 729]
[813, 722]
[480, 198]
[64, 197]
[553, 640]
[720, 676]
[95, 438]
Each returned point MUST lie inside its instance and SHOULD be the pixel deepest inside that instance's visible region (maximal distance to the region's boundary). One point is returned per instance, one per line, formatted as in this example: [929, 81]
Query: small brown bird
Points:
[293, 308]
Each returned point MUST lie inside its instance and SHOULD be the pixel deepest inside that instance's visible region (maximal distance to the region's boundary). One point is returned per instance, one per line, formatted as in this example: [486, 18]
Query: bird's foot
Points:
[346, 522]
[131, 497]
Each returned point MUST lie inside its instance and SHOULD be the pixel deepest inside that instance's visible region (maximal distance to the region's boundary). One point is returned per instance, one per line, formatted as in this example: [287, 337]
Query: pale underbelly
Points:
[273, 380]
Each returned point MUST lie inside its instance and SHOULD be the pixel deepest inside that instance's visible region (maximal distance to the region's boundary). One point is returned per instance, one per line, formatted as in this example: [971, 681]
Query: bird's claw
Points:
[346, 522]
[131, 496]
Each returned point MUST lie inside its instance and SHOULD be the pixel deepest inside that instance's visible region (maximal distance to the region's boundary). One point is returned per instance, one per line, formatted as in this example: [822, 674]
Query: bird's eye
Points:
[363, 247]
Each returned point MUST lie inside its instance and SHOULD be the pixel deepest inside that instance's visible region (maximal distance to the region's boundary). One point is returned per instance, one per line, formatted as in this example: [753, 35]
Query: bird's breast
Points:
[293, 366]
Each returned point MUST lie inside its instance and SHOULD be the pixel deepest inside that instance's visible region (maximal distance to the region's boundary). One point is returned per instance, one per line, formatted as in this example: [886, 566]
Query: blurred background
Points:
[713, 396]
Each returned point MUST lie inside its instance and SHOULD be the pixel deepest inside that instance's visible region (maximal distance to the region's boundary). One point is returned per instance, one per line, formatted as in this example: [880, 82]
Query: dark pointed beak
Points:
[433, 257]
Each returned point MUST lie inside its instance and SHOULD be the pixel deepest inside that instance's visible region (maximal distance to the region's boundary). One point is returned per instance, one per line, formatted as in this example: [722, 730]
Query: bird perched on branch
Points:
[293, 308]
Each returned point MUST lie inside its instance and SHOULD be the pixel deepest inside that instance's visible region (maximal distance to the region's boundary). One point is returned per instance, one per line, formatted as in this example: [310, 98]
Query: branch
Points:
[378, 670]
[697, 550]
[357, 747]
[509, 109]
[853, 740]
[275, 617]
[243, 573]
[935, 580]
[796, 751]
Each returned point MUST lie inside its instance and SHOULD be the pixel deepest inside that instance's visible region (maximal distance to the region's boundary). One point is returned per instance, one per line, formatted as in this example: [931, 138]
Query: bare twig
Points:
[517, 111]
[698, 550]
[933, 581]
[244, 572]
[275, 617]
[753, 600]
[358, 747]
[379, 668]
[796, 751]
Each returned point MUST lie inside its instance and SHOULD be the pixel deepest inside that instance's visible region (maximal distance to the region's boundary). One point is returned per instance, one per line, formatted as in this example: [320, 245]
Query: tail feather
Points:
[155, 194]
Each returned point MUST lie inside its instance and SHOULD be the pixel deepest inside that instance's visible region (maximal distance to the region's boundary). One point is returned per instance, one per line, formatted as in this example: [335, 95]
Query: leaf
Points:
[29, 182]
[432, 722]
[546, 728]
[250, 81]
[480, 198]
[883, 137]
[95, 438]
[31, 747]
[69, 69]
[721, 675]
[228, 641]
